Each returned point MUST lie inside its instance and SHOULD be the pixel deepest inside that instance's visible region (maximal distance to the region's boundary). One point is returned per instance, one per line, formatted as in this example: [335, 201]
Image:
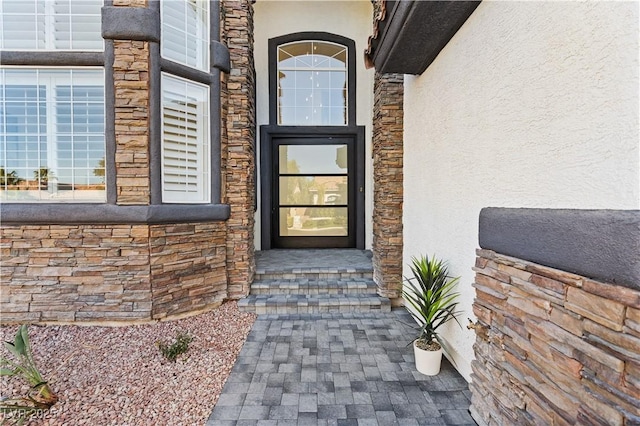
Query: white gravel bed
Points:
[117, 375]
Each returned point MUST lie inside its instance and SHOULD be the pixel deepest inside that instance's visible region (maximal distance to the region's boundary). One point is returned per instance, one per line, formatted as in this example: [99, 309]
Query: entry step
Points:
[313, 286]
[307, 303]
[320, 274]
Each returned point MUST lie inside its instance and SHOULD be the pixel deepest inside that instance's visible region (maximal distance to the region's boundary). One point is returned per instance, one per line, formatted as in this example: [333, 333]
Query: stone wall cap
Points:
[130, 23]
[76, 213]
[599, 244]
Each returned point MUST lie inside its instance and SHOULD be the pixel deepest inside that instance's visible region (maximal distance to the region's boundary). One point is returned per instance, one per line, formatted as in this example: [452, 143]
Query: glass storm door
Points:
[314, 193]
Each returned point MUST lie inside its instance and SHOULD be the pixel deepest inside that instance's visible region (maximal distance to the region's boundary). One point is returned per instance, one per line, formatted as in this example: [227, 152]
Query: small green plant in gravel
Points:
[21, 364]
[178, 347]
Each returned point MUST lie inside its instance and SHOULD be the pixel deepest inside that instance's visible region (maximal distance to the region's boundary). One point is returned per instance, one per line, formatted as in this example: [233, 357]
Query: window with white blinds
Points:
[51, 25]
[52, 143]
[185, 141]
[185, 32]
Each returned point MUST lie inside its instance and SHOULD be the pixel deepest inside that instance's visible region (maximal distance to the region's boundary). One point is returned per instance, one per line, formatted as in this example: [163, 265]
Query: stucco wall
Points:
[350, 19]
[531, 104]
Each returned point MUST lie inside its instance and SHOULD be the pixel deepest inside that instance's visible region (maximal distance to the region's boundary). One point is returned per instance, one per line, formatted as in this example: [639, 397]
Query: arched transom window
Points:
[312, 84]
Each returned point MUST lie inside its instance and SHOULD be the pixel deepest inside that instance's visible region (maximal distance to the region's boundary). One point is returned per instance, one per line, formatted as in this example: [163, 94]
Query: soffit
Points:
[408, 35]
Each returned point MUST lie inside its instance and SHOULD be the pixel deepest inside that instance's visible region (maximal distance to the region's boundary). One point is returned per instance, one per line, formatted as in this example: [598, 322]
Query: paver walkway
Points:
[337, 369]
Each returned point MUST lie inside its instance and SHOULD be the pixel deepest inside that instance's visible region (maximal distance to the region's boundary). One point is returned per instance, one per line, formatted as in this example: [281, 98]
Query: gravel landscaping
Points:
[117, 375]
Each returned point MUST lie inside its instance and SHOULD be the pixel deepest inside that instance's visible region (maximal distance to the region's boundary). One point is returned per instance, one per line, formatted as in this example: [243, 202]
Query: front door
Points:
[314, 188]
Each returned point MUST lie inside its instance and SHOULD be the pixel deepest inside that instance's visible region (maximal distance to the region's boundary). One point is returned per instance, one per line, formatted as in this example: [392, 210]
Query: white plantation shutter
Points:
[22, 21]
[51, 25]
[78, 24]
[185, 32]
[185, 141]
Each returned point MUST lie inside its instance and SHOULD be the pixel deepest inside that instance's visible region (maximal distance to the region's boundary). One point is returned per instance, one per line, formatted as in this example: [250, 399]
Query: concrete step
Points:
[314, 286]
[313, 281]
[324, 274]
[307, 303]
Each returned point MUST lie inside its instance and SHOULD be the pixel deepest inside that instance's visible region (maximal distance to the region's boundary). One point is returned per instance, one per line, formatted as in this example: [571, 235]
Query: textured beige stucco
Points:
[351, 19]
[531, 104]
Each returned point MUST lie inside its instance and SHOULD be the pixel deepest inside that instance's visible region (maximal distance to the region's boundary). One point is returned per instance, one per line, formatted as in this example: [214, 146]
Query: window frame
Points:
[315, 91]
[206, 60]
[349, 44]
[112, 212]
[207, 77]
[204, 145]
[50, 31]
[52, 135]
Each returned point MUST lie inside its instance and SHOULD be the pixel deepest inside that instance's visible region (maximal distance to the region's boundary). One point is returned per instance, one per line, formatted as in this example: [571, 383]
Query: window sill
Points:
[101, 214]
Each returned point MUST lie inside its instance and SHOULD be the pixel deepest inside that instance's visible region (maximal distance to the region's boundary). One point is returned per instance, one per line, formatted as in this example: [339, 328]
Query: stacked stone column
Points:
[387, 186]
[388, 136]
[239, 123]
[131, 85]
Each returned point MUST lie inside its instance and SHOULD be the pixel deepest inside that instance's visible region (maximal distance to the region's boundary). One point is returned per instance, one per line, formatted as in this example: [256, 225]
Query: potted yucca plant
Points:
[432, 300]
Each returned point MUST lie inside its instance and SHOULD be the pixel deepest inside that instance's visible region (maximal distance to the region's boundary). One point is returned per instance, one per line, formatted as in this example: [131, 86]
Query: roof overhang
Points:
[408, 35]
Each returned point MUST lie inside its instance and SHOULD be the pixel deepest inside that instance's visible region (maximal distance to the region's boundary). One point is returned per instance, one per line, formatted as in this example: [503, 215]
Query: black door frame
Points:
[269, 132]
[273, 131]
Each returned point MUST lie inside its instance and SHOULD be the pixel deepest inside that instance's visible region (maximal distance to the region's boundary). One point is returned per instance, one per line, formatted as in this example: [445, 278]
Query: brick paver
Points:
[337, 369]
[340, 260]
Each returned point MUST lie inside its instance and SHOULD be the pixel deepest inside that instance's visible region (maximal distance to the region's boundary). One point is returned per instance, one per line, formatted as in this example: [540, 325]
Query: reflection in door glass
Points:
[313, 222]
[315, 190]
[313, 159]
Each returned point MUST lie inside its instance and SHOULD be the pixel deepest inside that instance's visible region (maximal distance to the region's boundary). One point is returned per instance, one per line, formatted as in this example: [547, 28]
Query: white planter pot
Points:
[427, 362]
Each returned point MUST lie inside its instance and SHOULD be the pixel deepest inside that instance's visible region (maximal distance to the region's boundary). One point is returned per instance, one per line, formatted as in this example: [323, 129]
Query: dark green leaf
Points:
[19, 343]
[24, 333]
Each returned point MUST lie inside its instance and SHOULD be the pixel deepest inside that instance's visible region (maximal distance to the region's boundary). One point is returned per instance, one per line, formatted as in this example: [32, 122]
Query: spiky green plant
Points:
[40, 396]
[178, 347]
[431, 298]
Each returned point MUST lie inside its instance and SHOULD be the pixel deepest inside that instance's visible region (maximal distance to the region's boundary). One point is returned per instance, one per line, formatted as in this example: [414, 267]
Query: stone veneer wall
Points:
[188, 267]
[552, 347]
[74, 273]
[239, 123]
[387, 187]
[131, 84]
[89, 273]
